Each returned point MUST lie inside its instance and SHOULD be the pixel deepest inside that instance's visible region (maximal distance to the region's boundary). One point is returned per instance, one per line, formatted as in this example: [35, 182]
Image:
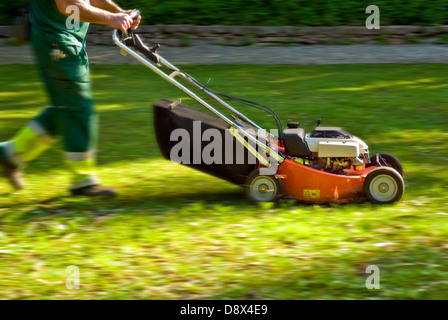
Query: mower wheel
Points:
[383, 186]
[387, 160]
[263, 188]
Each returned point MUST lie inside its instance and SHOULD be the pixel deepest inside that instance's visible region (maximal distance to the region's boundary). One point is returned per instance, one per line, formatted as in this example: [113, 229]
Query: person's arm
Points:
[96, 15]
[111, 6]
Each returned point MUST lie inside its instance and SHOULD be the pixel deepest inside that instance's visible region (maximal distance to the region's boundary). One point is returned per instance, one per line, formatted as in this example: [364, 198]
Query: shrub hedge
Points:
[273, 12]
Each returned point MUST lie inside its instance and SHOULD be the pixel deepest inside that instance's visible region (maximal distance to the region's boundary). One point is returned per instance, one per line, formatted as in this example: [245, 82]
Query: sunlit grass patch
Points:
[176, 233]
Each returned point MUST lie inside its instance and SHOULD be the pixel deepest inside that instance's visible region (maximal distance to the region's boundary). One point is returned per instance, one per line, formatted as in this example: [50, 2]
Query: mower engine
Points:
[331, 149]
[333, 165]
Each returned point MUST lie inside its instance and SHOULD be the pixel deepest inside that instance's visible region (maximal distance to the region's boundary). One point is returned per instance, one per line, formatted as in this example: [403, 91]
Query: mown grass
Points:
[175, 233]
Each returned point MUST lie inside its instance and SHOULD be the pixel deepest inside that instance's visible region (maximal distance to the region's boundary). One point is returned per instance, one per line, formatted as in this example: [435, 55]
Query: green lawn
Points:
[175, 233]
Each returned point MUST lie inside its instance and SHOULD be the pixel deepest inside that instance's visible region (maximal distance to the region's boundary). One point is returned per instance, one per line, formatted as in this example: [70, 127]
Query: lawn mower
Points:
[326, 165]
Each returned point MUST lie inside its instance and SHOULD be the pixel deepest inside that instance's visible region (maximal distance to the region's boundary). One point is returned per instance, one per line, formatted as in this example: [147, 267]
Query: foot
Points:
[95, 190]
[13, 174]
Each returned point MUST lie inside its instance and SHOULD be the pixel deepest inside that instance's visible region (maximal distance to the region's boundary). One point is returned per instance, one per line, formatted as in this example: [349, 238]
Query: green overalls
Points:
[59, 47]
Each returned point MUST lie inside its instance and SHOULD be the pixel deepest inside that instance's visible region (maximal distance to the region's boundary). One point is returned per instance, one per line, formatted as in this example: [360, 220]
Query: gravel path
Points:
[301, 55]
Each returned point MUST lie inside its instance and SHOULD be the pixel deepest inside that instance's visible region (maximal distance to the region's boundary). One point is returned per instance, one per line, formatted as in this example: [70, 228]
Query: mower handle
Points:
[131, 39]
[134, 14]
[128, 45]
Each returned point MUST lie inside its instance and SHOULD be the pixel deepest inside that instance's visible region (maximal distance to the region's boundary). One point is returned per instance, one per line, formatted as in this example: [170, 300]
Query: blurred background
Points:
[274, 12]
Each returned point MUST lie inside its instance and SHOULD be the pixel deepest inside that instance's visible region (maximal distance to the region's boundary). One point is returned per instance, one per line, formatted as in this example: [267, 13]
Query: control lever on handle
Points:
[127, 36]
[130, 39]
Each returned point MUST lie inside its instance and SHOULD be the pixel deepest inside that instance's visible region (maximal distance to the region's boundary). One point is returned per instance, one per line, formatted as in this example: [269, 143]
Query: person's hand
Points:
[121, 21]
[136, 21]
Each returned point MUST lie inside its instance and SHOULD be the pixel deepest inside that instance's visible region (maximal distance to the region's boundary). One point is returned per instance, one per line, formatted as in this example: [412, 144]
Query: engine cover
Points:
[338, 149]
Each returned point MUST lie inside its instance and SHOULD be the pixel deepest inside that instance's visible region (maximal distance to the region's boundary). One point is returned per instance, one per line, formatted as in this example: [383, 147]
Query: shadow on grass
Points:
[234, 199]
[69, 206]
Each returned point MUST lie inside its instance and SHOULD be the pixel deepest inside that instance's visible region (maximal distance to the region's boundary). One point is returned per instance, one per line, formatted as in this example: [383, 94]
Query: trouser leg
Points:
[27, 144]
[72, 116]
[78, 130]
[79, 139]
